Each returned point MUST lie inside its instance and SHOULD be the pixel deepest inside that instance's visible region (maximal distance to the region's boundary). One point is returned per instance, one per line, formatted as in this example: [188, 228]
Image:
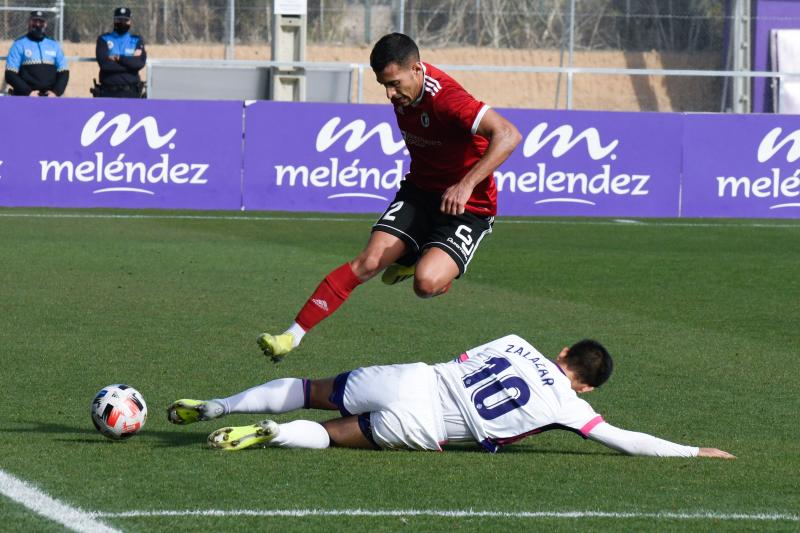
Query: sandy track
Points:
[633, 93]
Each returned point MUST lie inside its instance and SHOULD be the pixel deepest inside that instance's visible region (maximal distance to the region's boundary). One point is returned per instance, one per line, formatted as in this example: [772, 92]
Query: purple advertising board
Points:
[120, 153]
[322, 157]
[742, 166]
[351, 158]
[592, 164]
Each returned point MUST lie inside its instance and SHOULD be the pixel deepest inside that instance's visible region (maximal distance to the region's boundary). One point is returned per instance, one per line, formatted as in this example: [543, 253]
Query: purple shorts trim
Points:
[489, 446]
[337, 396]
[365, 425]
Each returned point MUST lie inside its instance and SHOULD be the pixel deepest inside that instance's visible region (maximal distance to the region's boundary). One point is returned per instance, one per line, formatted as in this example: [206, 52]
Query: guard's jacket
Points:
[125, 72]
[36, 65]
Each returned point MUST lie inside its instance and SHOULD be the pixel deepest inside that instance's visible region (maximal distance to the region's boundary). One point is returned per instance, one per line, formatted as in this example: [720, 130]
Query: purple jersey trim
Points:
[337, 396]
[510, 440]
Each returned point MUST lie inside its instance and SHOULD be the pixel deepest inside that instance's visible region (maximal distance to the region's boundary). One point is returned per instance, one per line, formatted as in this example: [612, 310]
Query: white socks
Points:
[298, 332]
[280, 396]
[276, 396]
[301, 434]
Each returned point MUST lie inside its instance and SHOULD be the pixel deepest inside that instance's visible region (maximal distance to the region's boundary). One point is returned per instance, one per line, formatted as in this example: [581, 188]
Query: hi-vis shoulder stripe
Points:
[431, 85]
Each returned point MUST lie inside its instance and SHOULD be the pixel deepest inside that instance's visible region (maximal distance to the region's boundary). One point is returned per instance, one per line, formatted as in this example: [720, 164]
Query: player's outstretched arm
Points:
[715, 452]
[635, 443]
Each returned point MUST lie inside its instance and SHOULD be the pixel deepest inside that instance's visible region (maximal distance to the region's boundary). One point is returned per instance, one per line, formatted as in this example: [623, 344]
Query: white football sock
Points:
[276, 396]
[302, 434]
[298, 332]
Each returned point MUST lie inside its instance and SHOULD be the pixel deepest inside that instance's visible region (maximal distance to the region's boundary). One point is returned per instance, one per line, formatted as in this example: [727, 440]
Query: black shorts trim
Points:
[400, 234]
[457, 255]
[454, 255]
[414, 217]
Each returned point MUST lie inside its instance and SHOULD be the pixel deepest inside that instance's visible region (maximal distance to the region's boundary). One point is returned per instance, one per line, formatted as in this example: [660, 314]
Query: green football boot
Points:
[396, 273]
[276, 346]
[238, 438]
[187, 411]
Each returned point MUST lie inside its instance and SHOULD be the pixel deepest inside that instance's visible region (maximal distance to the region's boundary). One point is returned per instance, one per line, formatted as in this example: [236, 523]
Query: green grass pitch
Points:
[702, 317]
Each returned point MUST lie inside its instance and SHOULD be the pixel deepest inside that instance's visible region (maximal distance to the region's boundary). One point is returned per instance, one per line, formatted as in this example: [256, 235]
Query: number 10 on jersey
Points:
[495, 396]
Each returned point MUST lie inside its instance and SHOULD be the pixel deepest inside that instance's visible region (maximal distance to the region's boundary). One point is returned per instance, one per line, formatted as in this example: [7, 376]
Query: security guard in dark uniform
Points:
[36, 65]
[121, 56]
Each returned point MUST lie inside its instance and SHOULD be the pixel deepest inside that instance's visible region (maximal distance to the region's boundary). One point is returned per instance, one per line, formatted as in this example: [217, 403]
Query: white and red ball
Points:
[119, 411]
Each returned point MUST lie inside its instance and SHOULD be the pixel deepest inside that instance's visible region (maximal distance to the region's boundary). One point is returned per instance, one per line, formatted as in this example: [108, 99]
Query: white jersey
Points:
[507, 390]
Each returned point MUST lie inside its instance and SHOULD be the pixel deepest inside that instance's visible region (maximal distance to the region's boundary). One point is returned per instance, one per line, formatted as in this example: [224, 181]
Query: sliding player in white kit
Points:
[494, 395]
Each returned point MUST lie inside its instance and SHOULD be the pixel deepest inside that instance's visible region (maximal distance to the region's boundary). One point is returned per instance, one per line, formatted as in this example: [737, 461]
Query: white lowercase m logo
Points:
[564, 141]
[358, 135]
[123, 130]
[769, 145]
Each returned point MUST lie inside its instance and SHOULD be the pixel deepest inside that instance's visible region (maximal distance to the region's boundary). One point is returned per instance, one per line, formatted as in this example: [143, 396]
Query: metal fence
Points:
[594, 24]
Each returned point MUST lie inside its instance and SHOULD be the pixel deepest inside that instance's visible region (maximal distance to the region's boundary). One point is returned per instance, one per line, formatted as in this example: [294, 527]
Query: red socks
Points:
[328, 296]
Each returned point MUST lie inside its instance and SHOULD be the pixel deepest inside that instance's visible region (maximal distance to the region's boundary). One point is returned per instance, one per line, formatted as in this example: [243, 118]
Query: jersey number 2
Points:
[504, 394]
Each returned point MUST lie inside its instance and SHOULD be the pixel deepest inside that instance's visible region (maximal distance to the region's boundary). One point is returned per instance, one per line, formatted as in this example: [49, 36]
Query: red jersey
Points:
[439, 129]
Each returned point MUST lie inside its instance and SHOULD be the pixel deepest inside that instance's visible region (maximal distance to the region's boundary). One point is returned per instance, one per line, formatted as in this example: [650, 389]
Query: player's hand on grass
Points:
[714, 452]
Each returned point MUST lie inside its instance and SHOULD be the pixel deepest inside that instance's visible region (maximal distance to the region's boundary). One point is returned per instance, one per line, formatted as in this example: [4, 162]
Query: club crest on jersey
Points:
[425, 119]
[110, 44]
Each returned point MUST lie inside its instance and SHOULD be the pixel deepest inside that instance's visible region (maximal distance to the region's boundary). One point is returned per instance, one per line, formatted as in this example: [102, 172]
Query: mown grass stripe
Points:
[790, 224]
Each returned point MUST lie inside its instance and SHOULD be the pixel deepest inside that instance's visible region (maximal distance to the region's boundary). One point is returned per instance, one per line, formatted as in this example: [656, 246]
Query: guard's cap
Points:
[38, 15]
[122, 13]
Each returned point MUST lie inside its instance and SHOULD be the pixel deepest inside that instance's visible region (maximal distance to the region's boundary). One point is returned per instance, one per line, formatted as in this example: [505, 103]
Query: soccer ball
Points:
[119, 411]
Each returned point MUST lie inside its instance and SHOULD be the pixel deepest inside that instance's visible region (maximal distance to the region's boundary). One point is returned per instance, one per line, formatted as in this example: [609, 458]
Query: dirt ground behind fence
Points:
[545, 91]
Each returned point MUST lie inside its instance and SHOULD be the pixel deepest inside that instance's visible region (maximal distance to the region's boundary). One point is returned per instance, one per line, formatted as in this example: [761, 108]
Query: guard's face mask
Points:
[122, 26]
[36, 29]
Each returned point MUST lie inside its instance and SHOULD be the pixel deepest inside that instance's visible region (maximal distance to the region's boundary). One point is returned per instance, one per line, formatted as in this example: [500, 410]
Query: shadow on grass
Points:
[467, 448]
[86, 435]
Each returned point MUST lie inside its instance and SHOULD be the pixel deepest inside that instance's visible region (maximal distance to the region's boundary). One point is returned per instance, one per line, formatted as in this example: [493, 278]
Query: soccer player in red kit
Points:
[446, 204]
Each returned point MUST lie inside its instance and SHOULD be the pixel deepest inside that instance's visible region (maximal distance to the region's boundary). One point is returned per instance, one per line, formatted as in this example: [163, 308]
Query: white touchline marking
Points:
[42, 504]
[735, 223]
[469, 513]
[86, 521]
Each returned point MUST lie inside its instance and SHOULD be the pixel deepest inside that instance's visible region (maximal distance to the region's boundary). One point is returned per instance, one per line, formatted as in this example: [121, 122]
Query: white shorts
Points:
[403, 402]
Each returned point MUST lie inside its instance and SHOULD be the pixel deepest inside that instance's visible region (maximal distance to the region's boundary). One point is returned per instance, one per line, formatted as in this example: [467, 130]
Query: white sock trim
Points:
[297, 332]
